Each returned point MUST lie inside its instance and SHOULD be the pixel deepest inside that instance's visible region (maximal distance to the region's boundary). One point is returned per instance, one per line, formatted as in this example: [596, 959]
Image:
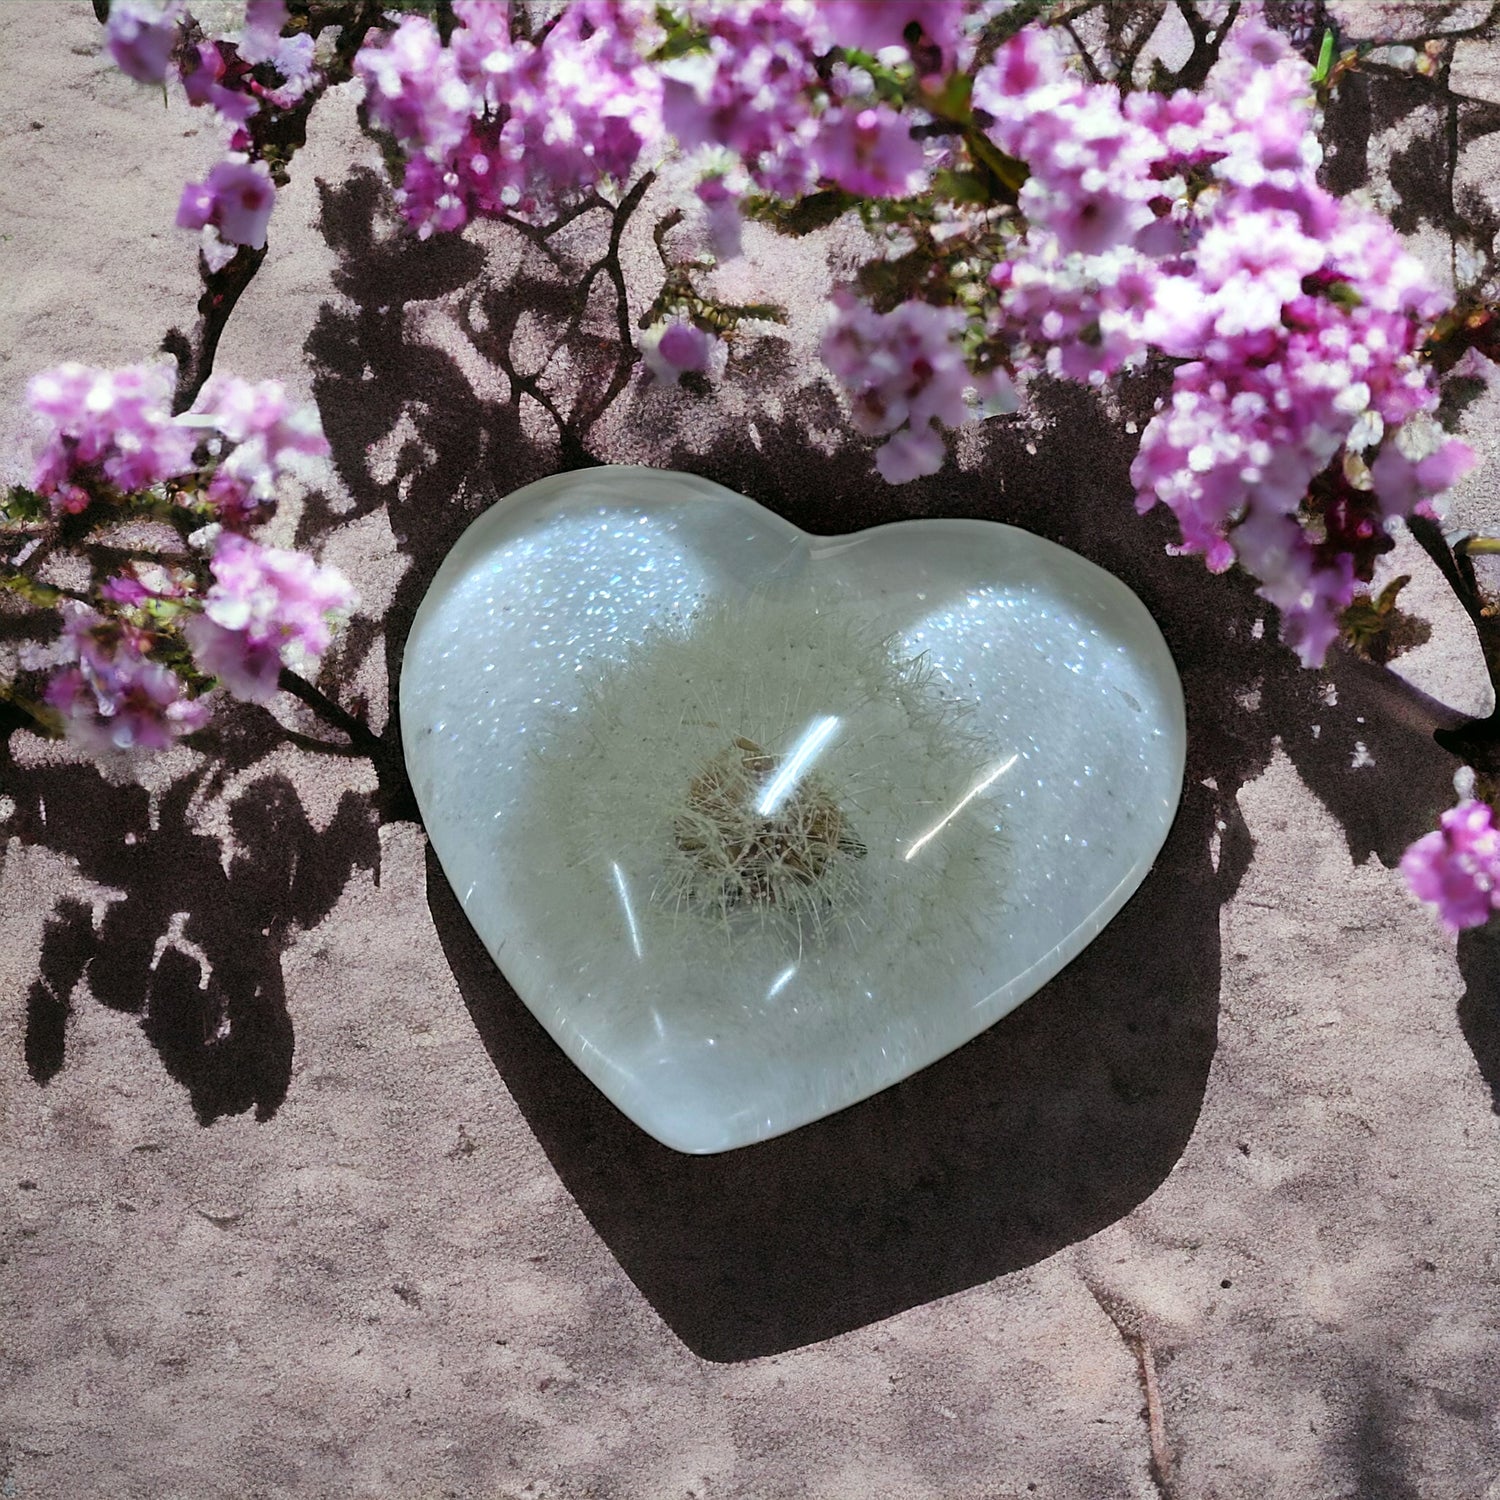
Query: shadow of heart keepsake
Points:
[758, 823]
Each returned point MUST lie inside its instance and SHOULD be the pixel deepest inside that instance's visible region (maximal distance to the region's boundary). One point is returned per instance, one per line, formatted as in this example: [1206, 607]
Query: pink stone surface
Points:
[1213, 1215]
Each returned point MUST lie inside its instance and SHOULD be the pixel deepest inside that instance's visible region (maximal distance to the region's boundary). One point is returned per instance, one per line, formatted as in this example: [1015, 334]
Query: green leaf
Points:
[763, 312]
[1325, 58]
[1385, 601]
[1006, 173]
[816, 211]
[961, 187]
[44, 720]
[952, 101]
[680, 37]
[29, 589]
[23, 505]
[1377, 628]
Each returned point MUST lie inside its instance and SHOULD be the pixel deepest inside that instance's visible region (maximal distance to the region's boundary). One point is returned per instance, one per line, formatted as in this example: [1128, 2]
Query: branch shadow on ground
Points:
[1048, 1127]
[1068, 1113]
[1072, 1110]
[187, 942]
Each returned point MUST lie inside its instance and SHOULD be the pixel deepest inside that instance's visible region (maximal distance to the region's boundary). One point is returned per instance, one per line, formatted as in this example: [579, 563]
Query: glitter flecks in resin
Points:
[766, 769]
[757, 822]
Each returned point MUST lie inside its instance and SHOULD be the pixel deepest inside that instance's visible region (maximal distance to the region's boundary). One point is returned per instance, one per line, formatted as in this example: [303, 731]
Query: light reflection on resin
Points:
[758, 823]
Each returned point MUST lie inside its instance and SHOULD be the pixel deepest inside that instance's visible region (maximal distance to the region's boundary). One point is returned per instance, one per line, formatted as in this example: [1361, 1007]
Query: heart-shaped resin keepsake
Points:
[758, 823]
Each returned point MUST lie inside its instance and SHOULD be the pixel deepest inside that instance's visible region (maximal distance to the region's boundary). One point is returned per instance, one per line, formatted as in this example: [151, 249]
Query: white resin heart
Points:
[758, 823]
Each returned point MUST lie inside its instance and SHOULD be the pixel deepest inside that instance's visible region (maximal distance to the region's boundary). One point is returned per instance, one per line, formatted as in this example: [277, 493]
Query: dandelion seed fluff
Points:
[762, 770]
[758, 823]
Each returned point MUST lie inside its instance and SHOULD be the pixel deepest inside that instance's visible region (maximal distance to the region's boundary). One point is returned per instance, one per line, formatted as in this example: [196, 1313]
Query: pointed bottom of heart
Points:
[757, 822]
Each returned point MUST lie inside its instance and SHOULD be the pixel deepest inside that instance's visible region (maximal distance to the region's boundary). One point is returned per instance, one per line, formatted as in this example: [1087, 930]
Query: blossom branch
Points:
[195, 354]
[1057, 221]
[1475, 741]
[361, 737]
[626, 358]
[274, 135]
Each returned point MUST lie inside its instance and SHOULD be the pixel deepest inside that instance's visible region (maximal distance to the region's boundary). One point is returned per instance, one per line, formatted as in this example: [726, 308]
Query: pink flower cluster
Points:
[204, 84]
[110, 435]
[1456, 867]
[271, 435]
[267, 607]
[105, 429]
[1194, 225]
[112, 696]
[140, 35]
[111, 432]
[906, 375]
[493, 124]
[869, 151]
[261, 43]
[757, 90]
[233, 204]
[750, 91]
[1090, 183]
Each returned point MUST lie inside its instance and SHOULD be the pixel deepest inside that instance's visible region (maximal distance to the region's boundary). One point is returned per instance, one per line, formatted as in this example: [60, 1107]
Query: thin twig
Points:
[1087, 57]
[1474, 741]
[1145, 1359]
[320, 747]
[361, 737]
[1207, 40]
[625, 361]
[541, 233]
[286, 133]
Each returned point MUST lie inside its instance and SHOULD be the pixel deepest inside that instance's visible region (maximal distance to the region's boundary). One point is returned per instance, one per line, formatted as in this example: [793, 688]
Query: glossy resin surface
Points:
[757, 822]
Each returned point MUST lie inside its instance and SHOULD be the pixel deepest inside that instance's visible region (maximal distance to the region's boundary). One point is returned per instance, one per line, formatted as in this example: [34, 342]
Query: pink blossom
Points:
[291, 56]
[236, 199]
[272, 435]
[413, 88]
[902, 370]
[677, 347]
[586, 100]
[143, 581]
[1456, 867]
[749, 93]
[1090, 180]
[1270, 146]
[114, 697]
[1029, 61]
[203, 84]
[910, 454]
[1082, 318]
[722, 214]
[874, 25]
[1408, 483]
[868, 151]
[140, 36]
[267, 607]
[495, 125]
[115, 426]
[264, 20]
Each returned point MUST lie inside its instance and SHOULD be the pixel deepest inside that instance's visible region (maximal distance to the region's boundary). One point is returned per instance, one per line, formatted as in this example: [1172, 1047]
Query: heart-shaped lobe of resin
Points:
[758, 823]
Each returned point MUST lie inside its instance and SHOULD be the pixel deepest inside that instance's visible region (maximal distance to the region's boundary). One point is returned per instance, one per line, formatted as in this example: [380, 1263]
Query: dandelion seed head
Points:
[762, 768]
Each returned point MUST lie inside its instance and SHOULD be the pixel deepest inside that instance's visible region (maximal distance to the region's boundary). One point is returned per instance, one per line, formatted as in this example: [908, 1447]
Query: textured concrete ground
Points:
[298, 1201]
